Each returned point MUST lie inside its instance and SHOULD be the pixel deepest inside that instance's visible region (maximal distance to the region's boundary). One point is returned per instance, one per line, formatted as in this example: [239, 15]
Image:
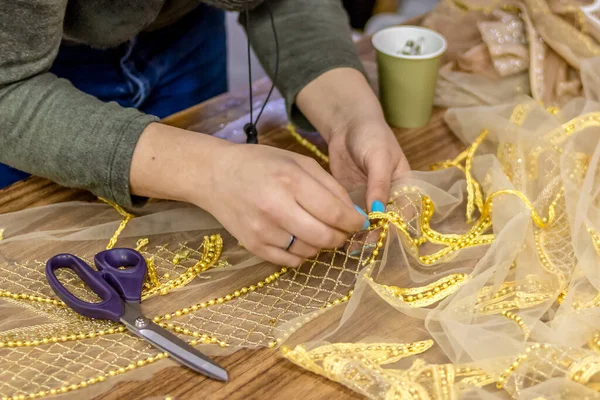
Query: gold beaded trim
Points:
[63, 338]
[30, 297]
[473, 377]
[126, 218]
[469, 239]
[474, 193]
[548, 266]
[442, 238]
[212, 249]
[1, 233]
[510, 296]
[425, 296]
[582, 371]
[380, 353]
[522, 357]
[595, 239]
[306, 143]
[198, 336]
[595, 302]
[518, 320]
[220, 300]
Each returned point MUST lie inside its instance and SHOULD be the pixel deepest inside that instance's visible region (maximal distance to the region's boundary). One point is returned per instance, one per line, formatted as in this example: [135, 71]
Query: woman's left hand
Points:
[363, 150]
[367, 153]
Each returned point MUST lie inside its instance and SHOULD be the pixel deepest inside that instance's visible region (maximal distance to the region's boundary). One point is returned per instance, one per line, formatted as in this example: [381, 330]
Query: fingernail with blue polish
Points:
[360, 210]
[367, 223]
[377, 206]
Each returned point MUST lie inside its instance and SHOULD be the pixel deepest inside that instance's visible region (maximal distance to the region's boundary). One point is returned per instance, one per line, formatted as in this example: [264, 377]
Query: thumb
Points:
[379, 178]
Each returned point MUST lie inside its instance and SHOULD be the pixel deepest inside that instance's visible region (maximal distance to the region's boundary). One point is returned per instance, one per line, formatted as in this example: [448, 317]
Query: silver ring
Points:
[291, 243]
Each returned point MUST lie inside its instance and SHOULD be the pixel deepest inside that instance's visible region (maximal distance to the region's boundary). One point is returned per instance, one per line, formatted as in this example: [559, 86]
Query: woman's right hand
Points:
[262, 195]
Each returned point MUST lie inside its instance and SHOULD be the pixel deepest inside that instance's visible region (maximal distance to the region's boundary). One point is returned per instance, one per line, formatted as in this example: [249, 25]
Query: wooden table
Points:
[254, 374]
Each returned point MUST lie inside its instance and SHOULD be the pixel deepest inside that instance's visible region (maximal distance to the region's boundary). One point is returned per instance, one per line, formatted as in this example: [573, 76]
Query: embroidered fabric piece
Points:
[480, 280]
[535, 47]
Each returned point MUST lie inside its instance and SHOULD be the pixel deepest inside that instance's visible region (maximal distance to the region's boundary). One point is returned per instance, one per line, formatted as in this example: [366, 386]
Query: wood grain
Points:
[254, 374]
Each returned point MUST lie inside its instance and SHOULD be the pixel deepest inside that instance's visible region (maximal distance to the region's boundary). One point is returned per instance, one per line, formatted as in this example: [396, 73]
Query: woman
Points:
[82, 83]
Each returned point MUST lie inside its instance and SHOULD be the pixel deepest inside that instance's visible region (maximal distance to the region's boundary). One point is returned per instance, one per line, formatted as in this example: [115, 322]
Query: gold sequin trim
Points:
[427, 295]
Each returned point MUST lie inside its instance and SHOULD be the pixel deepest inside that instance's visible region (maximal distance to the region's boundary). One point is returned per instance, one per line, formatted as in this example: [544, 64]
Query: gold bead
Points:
[228, 297]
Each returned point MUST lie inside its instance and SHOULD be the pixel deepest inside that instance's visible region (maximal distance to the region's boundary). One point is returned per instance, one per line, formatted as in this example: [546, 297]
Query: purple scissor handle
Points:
[118, 282]
[111, 284]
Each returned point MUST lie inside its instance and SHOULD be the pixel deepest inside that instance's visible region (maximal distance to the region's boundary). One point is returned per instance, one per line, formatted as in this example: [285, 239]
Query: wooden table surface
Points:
[254, 374]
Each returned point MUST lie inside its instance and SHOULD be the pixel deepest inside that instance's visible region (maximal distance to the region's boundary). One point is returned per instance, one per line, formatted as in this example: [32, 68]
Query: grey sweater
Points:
[49, 128]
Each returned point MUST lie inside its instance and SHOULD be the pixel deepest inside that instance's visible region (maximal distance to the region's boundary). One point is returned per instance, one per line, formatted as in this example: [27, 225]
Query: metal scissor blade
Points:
[168, 342]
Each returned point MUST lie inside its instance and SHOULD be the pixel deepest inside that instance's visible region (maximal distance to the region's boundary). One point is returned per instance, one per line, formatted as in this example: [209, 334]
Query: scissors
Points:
[118, 282]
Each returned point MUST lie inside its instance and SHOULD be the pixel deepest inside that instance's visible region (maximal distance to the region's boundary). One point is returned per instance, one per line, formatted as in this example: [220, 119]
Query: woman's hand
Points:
[367, 153]
[260, 194]
[263, 195]
[363, 150]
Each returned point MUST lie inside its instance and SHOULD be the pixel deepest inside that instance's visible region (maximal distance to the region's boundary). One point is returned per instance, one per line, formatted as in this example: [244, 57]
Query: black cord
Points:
[250, 128]
[249, 59]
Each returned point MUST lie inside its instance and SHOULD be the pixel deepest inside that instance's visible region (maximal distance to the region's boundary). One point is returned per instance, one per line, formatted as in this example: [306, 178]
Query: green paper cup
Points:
[407, 82]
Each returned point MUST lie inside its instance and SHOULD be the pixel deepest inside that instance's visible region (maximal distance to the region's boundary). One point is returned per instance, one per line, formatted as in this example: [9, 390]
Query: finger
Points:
[278, 256]
[402, 168]
[379, 180]
[325, 179]
[281, 238]
[303, 249]
[307, 228]
[318, 201]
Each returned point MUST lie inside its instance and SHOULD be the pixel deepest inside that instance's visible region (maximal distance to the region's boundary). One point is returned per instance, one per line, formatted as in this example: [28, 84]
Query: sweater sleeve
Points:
[314, 37]
[48, 127]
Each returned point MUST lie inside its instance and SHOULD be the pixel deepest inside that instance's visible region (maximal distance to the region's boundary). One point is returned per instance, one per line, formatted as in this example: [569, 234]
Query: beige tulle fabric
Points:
[480, 281]
[500, 49]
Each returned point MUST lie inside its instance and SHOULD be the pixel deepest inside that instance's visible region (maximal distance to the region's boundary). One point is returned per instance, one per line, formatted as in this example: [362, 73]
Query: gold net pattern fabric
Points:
[480, 280]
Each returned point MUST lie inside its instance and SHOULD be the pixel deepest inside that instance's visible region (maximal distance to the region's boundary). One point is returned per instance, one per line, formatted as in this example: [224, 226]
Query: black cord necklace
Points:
[250, 128]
